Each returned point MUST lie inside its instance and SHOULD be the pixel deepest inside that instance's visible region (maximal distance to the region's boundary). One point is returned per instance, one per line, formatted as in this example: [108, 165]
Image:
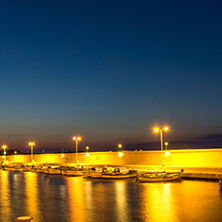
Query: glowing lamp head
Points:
[4, 147]
[31, 144]
[156, 130]
[166, 128]
[166, 143]
[120, 145]
[76, 138]
[87, 147]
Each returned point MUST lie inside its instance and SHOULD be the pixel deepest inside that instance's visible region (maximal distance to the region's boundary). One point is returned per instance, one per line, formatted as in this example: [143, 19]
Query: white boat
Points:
[54, 170]
[64, 170]
[46, 169]
[21, 168]
[158, 177]
[94, 173]
[9, 167]
[72, 171]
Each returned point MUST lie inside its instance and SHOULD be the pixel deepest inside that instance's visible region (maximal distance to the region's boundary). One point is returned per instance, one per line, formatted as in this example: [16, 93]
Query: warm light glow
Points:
[31, 143]
[166, 128]
[156, 130]
[120, 145]
[87, 147]
[87, 154]
[166, 143]
[4, 152]
[76, 138]
[167, 153]
[120, 154]
[15, 152]
[63, 155]
[3, 157]
[15, 156]
[4, 147]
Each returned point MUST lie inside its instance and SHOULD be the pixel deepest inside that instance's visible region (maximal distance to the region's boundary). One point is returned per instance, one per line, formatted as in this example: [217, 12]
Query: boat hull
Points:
[161, 178]
[119, 176]
[74, 173]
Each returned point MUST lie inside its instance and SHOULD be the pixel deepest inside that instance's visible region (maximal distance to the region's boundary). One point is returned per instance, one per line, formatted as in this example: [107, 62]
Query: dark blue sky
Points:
[110, 71]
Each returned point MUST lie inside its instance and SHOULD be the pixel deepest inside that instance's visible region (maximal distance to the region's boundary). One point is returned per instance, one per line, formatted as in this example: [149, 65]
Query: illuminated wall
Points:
[177, 158]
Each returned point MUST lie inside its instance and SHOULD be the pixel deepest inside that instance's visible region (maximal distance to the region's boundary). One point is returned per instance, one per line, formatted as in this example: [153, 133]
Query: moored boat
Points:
[158, 177]
[54, 170]
[119, 173]
[73, 171]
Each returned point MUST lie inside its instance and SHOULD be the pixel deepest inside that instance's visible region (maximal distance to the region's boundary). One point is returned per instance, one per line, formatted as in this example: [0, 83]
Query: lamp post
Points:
[15, 152]
[87, 151]
[4, 147]
[166, 144]
[31, 144]
[62, 153]
[76, 139]
[161, 135]
[167, 153]
[120, 150]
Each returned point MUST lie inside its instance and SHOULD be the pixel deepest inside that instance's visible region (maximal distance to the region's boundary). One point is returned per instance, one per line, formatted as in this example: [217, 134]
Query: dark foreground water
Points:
[65, 199]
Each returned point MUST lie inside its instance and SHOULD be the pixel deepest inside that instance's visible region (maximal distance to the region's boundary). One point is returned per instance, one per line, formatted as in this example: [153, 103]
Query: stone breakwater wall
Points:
[192, 158]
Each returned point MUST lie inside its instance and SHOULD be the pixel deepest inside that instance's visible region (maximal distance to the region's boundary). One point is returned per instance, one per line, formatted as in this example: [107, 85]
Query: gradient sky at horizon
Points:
[110, 71]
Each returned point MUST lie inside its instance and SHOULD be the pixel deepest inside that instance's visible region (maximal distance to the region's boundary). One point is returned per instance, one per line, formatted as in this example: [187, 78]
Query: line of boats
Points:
[98, 172]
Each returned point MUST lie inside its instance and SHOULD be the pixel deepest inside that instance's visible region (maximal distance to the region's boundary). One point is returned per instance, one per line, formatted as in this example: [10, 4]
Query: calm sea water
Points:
[65, 199]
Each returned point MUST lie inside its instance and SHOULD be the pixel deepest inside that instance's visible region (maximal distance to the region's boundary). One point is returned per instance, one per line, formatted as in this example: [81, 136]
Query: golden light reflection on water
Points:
[4, 190]
[158, 203]
[32, 194]
[76, 199]
[70, 199]
[121, 200]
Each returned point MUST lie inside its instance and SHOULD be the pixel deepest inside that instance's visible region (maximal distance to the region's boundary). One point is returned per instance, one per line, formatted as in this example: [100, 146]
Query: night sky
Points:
[110, 71]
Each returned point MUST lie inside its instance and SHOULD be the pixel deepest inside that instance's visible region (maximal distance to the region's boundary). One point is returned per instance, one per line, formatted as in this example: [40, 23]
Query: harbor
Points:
[56, 198]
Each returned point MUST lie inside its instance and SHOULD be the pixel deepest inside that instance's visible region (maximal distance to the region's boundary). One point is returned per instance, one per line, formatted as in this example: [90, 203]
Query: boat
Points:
[46, 169]
[94, 173]
[63, 170]
[119, 173]
[21, 168]
[54, 170]
[9, 167]
[74, 171]
[158, 177]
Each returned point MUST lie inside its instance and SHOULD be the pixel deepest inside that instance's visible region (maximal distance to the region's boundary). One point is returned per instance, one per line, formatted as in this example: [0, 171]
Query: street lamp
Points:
[166, 144]
[31, 144]
[15, 154]
[87, 151]
[120, 150]
[4, 147]
[167, 153]
[161, 135]
[62, 153]
[76, 139]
